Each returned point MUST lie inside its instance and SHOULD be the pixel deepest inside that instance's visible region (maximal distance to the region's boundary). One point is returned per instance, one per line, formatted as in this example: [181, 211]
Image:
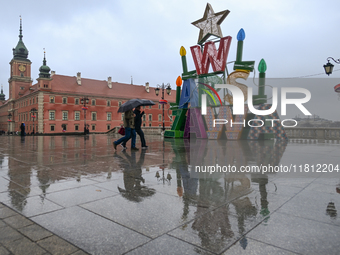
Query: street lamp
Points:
[329, 67]
[84, 101]
[33, 111]
[162, 101]
[9, 122]
[163, 179]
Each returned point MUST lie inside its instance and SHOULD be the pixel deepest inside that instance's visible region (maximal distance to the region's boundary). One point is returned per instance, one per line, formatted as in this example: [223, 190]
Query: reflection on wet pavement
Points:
[136, 202]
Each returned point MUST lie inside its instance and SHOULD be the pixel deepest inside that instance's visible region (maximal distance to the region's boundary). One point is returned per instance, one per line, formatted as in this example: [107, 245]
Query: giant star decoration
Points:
[210, 23]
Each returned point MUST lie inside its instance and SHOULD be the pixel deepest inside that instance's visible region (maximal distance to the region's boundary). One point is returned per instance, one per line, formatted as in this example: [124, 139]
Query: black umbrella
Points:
[133, 103]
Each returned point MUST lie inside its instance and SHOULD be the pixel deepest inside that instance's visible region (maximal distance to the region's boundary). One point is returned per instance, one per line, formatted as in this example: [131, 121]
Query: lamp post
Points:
[329, 67]
[84, 101]
[33, 111]
[163, 101]
[9, 122]
[163, 179]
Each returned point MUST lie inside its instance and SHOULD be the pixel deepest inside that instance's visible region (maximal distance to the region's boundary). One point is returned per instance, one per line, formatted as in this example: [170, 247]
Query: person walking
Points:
[139, 131]
[22, 129]
[130, 132]
[138, 124]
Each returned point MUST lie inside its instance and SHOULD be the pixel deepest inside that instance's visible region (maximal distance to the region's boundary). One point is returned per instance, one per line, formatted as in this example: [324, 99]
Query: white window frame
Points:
[64, 115]
[49, 114]
[108, 116]
[75, 115]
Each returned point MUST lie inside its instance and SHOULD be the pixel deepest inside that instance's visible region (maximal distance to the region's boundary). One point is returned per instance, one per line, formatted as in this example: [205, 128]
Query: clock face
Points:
[22, 68]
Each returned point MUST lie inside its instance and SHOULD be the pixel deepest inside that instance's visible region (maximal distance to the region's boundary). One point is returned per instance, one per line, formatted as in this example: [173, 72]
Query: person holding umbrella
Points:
[138, 124]
[129, 124]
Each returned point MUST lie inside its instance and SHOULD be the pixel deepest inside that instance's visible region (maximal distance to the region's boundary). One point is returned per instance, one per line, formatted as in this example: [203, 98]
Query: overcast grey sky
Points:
[124, 38]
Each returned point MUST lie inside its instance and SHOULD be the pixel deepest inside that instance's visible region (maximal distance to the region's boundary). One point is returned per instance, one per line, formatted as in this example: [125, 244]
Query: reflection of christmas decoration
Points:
[210, 23]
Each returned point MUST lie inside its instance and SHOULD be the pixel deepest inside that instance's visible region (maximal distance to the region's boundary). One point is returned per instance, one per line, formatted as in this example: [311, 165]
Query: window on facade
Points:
[22, 88]
[109, 116]
[143, 124]
[150, 117]
[63, 127]
[93, 127]
[76, 127]
[159, 117]
[108, 127]
[65, 115]
[64, 100]
[159, 106]
[94, 116]
[144, 117]
[171, 117]
[119, 103]
[122, 116]
[108, 103]
[30, 102]
[33, 100]
[52, 127]
[149, 124]
[159, 125]
[76, 101]
[93, 102]
[76, 115]
[52, 100]
[150, 106]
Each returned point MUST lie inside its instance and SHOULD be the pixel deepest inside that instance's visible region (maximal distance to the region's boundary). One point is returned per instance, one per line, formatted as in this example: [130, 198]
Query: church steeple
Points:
[20, 52]
[2, 95]
[44, 69]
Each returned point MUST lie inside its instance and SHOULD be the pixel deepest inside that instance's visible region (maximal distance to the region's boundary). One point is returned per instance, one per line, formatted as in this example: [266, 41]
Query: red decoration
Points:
[210, 55]
[163, 101]
[85, 108]
[33, 116]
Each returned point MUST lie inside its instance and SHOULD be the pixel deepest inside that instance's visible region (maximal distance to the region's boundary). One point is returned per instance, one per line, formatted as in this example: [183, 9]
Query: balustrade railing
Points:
[326, 133]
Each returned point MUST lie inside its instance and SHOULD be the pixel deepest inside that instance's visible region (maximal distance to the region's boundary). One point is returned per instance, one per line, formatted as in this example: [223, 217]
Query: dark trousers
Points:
[140, 132]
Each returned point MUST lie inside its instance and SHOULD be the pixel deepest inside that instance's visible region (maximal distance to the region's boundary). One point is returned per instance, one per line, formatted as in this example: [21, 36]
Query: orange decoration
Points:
[179, 81]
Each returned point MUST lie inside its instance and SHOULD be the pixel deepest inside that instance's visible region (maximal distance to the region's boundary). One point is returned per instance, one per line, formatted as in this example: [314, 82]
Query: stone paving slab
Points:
[20, 236]
[69, 195]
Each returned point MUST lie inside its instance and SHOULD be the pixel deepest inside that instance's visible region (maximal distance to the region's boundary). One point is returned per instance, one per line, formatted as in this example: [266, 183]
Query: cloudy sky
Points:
[141, 39]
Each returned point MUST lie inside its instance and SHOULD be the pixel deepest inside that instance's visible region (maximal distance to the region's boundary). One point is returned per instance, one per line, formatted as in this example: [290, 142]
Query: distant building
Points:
[57, 100]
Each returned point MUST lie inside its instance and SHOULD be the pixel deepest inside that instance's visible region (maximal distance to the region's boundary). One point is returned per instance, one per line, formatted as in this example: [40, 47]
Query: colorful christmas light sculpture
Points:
[197, 87]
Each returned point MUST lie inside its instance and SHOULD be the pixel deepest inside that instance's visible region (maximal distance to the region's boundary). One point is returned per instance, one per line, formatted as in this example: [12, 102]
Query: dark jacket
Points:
[22, 129]
[138, 118]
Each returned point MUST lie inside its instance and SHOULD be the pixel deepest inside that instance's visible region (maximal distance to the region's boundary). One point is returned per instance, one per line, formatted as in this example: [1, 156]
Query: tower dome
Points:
[20, 52]
[44, 69]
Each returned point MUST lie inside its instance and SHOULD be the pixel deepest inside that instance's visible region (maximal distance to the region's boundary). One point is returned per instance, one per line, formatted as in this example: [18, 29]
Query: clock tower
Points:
[20, 76]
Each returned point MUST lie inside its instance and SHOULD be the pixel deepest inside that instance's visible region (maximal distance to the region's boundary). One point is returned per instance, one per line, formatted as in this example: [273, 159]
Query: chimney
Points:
[79, 78]
[109, 82]
[52, 73]
[147, 89]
